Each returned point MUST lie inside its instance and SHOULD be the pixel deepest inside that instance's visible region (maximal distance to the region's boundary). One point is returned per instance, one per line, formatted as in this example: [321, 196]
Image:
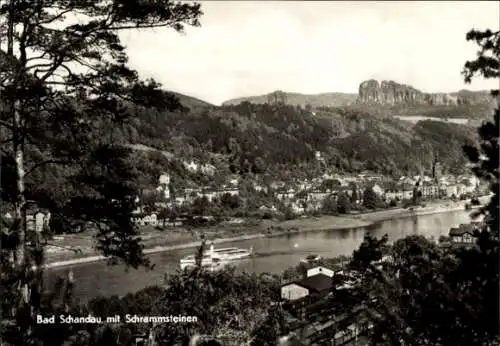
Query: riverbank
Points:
[431, 208]
[384, 215]
[160, 241]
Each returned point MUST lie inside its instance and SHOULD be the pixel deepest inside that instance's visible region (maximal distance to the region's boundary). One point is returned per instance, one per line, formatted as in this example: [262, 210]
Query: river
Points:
[272, 254]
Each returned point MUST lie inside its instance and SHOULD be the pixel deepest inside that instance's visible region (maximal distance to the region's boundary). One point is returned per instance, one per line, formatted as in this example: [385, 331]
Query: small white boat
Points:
[311, 258]
[216, 257]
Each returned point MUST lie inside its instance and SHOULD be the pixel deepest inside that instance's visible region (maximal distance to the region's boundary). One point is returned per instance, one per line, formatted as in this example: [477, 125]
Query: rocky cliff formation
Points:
[392, 93]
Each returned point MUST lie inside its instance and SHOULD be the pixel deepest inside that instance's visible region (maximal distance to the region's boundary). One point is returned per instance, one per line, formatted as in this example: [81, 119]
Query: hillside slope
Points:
[191, 102]
[283, 139]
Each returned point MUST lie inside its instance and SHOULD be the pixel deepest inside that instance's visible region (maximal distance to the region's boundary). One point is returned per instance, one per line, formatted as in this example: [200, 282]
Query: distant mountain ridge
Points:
[385, 93]
[297, 99]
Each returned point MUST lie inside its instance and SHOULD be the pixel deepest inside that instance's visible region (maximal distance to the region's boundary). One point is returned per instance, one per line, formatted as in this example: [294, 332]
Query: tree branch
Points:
[57, 63]
[140, 26]
[6, 124]
[39, 66]
[57, 16]
[37, 57]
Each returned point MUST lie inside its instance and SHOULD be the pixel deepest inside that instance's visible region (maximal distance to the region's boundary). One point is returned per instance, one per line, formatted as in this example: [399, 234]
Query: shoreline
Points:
[322, 223]
[401, 213]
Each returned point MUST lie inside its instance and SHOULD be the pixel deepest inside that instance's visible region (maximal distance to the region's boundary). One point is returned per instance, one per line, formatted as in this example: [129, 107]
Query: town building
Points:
[164, 179]
[401, 192]
[320, 270]
[285, 194]
[379, 190]
[319, 156]
[317, 286]
[297, 207]
[37, 220]
[465, 234]
[145, 220]
[429, 190]
[317, 196]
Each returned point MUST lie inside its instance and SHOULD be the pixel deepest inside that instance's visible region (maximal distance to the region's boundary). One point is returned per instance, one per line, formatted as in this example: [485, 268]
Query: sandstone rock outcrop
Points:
[392, 93]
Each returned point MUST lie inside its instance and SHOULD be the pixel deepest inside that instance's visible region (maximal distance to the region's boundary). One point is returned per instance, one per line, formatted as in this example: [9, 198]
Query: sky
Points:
[247, 48]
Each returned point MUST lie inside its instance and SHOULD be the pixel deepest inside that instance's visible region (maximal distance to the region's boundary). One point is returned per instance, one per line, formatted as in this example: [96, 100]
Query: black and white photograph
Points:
[249, 173]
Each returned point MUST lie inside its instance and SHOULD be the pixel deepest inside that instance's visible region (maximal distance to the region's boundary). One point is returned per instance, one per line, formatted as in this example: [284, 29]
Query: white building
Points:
[37, 221]
[378, 189]
[293, 291]
[319, 156]
[208, 169]
[297, 208]
[191, 166]
[320, 270]
[317, 285]
[164, 179]
[164, 190]
[146, 220]
[234, 181]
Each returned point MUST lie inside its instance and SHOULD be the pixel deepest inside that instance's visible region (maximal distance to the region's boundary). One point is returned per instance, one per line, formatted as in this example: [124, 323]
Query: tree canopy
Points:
[65, 85]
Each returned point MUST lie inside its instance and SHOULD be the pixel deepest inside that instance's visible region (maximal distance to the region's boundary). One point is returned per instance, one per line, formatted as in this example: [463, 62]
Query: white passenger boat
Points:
[216, 257]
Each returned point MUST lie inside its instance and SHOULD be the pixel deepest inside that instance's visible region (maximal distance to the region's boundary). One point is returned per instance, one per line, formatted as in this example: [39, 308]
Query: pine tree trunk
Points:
[20, 206]
[141, 203]
[18, 149]
[22, 262]
[20, 254]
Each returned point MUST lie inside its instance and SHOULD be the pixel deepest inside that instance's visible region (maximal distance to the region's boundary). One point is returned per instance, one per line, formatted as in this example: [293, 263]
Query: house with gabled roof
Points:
[318, 285]
[465, 233]
[320, 270]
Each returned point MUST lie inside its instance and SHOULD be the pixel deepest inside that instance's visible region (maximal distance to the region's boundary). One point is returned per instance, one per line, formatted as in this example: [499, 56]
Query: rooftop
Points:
[465, 228]
[317, 283]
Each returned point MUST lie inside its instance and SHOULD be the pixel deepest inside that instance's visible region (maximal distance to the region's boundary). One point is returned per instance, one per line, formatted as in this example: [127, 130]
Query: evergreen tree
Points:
[343, 203]
[354, 194]
[329, 206]
[65, 85]
[370, 199]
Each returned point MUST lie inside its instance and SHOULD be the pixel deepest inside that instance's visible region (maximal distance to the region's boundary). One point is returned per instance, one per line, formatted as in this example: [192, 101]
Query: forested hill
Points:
[266, 138]
[296, 99]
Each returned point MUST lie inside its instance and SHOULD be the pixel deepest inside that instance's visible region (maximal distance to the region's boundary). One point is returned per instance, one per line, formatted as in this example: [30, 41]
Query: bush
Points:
[343, 204]
[407, 203]
[266, 215]
[370, 199]
[329, 206]
[443, 239]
